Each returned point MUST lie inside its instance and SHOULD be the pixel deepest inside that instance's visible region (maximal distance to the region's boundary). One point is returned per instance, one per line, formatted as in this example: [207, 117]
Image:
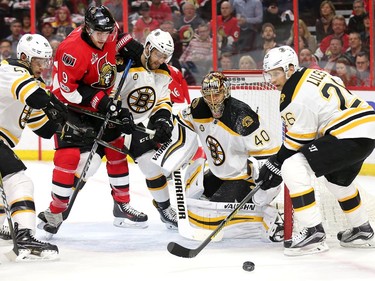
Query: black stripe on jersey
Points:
[199, 109]
[24, 205]
[298, 140]
[7, 139]
[348, 120]
[350, 204]
[23, 84]
[177, 145]
[289, 88]
[303, 200]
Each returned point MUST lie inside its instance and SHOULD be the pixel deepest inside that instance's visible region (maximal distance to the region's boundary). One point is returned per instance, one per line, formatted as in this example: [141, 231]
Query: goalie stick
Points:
[82, 177]
[183, 252]
[12, 255]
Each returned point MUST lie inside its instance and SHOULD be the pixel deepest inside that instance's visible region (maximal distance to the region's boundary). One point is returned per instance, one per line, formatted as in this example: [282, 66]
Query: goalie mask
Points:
[215, 90]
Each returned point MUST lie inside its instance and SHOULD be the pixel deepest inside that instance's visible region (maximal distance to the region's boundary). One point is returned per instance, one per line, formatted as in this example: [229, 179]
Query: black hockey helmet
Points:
[100, 19]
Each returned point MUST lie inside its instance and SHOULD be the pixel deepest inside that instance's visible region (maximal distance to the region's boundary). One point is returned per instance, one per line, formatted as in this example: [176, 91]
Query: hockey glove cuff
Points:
[128, 126]
[105, 104]
[163, 130]
[270, 174]
[128, 47]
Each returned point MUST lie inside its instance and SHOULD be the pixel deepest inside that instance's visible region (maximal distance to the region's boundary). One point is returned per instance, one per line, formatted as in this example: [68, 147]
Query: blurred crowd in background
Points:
[333, 35]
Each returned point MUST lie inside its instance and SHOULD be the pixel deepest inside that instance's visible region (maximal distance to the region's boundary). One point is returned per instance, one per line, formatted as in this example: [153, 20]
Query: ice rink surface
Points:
[91, 248]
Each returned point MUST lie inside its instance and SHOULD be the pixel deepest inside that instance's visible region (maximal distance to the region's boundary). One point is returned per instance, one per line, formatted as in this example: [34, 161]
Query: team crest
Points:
[217, 152]
[107, 73]
[247, 121]
[142, 99]
[68, 60]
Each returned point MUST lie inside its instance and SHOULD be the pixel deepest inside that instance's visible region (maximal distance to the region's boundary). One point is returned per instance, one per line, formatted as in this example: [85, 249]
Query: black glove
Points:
[128, 47]
[270, 174]
[106, 104]
[126, 118]
[163, 130]
[56, 111]
[78, 135]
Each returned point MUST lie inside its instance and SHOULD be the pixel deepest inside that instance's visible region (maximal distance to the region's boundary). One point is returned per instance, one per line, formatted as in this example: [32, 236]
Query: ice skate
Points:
[310, 240]
[357, 237]
[5, 233]
[50, 222]
[127, 216]
[31, 249]
[168, 216]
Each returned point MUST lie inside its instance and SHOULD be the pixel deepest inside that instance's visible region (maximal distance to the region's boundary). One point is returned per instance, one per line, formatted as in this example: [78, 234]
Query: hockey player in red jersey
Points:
[83, 76]
[329, 133]
[24, 101]
[179, 91]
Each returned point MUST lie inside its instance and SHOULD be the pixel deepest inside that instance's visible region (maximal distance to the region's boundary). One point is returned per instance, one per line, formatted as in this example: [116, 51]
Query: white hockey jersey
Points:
[230, 140]
[16, 85]
[314, 103]
[145, 92]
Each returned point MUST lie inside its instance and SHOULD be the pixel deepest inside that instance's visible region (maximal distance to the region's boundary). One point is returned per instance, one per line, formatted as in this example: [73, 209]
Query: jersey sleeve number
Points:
[261, 137]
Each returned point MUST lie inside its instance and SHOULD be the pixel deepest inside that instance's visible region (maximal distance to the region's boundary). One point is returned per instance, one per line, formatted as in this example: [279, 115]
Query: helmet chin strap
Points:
[147, 57]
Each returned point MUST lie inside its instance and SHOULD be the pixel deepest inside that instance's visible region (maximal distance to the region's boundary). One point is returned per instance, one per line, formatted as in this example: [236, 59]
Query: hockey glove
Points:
[78, 135]
[56, 111]
[270, 174]
[126, 118]
[105, 104]
[128, 47]
[163, 130]
[252, 167]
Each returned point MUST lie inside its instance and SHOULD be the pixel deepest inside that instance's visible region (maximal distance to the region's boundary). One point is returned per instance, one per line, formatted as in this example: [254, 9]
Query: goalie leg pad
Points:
[265, 197]
[194, 178]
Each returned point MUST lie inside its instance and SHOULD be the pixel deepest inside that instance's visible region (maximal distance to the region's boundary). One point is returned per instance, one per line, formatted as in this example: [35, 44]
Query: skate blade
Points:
[307, 250]
[26, 256]
[41, 225]
[48, 236]
[359, 243]
[125, 223]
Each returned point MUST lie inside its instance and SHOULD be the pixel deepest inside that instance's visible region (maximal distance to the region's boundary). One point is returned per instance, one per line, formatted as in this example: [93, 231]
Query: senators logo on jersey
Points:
[106, 73]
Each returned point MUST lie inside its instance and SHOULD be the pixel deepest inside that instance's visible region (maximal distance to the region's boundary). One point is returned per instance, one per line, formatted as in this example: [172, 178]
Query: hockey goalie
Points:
[206, 193]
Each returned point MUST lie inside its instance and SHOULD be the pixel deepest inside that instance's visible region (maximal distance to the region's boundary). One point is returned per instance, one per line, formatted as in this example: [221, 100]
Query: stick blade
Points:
[181, 251]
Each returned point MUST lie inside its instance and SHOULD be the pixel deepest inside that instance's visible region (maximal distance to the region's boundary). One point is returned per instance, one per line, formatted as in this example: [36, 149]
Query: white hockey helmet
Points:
[161, 41]
[34, 45]
[280, 57]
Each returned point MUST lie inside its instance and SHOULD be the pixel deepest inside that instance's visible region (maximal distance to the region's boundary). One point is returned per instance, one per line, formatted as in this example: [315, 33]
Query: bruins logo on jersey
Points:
[217, 152]
[142, 99]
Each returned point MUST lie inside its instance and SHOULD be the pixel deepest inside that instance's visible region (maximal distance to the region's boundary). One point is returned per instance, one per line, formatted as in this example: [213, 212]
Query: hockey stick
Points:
[12, 255]
[114, 121]
[81, 180]
[181, 251]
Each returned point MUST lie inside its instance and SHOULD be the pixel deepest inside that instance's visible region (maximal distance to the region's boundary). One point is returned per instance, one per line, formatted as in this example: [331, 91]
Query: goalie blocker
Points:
[262, 222]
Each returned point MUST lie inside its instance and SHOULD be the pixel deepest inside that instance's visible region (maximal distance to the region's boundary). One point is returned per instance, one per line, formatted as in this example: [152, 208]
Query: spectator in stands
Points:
[250, 16]
[323, 25]
[48, 32]
[197, 57]
[355, 46]
[339, 28]
[307, 59]
[168, 26]
[365, 35]
[228, 30]
[356, 20]
[144, 24]
[5, 49]
[268, 42]
[281, 20]
[15, 36]
[63, 23]
[160, 11]
[346, 71]
[115, 7]
[247, 62]
[26, 24]
[362, 64]
[328, 62]
[188, 23]
[226, 62]
[303, 31]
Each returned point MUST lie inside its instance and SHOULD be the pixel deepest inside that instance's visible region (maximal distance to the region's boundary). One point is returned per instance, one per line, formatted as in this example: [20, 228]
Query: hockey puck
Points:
[248, 266]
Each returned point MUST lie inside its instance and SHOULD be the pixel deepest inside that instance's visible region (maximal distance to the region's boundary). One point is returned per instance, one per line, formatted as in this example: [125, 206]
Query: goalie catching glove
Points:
[56, 111]
[163, 130]
[270, 174]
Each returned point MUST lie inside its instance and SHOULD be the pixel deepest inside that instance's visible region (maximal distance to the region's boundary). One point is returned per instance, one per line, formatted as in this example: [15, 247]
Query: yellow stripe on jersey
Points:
[16, 84]
[9, 137]
[353, 124]
[300, 83]
[265, 152]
